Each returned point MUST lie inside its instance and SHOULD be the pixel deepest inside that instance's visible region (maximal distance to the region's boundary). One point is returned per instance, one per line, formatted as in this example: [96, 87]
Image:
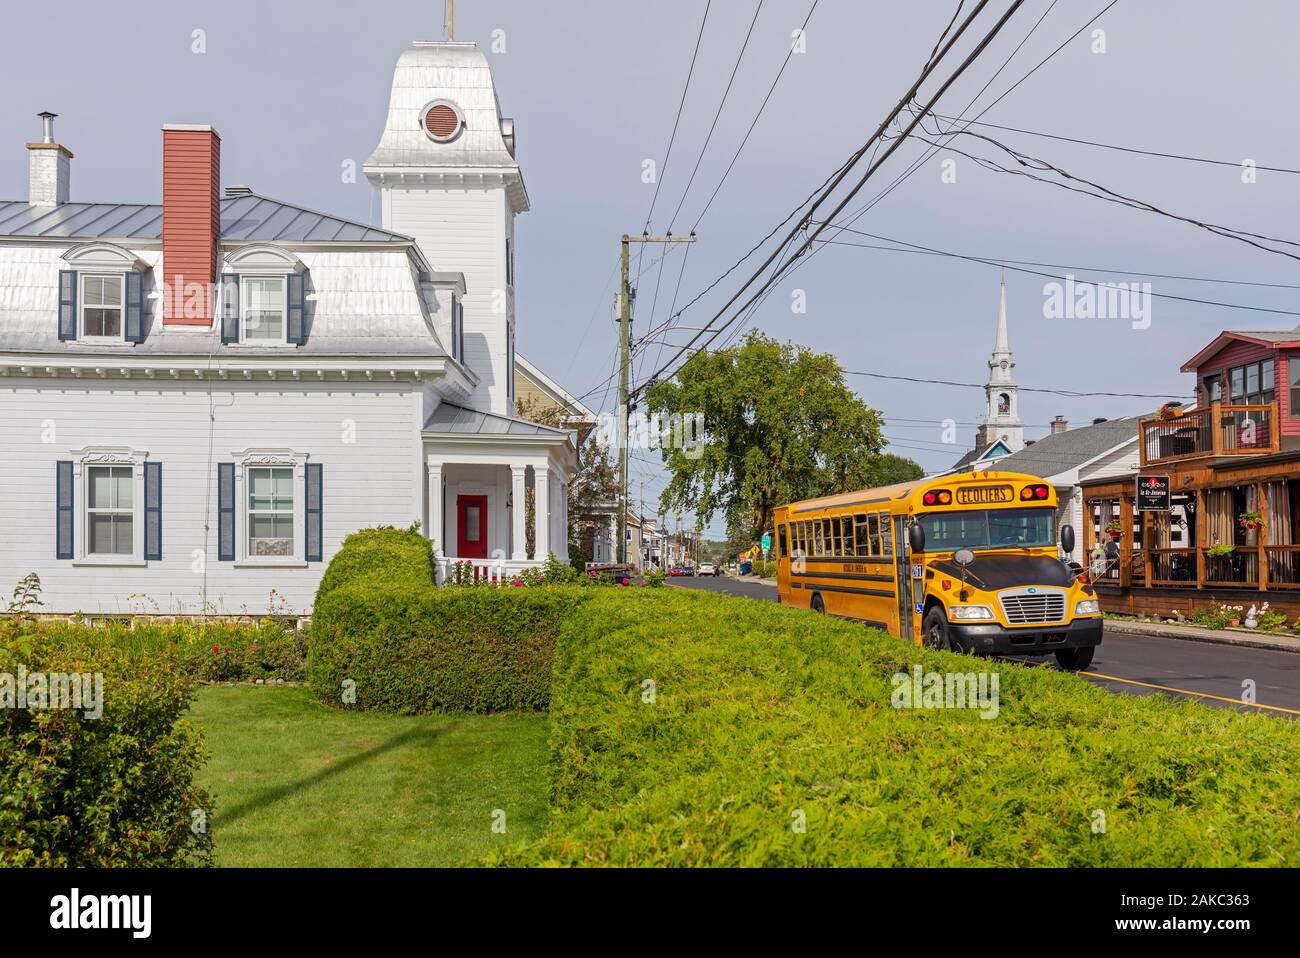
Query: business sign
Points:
[767, 541]
[983, 495]
[1152, 493]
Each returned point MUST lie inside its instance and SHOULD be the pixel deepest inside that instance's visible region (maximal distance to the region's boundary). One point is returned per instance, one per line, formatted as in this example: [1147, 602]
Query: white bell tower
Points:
[446, 174]
[1002, 394]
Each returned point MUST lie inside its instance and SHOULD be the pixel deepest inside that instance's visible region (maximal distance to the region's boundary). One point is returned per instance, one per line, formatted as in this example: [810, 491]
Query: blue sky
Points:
[297, 89]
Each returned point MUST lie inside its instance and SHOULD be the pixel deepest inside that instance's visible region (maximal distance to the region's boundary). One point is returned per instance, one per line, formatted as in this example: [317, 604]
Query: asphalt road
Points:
[1143, 665]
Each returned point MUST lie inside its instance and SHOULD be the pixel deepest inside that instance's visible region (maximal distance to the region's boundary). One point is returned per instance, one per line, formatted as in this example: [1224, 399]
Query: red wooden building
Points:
[1234, 466]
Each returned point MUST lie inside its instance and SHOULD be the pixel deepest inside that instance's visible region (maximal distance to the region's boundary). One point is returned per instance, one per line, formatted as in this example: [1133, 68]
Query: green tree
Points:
[595, 482]
[779, 425]
[889, 469]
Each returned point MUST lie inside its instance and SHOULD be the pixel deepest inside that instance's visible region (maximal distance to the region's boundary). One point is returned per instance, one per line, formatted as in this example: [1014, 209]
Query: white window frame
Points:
[244, 300]
[246, 459]
[83, 461]
[120, 279]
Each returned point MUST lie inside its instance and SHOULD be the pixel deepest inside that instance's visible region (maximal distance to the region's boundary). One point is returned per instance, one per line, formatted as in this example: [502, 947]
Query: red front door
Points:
[471, 527]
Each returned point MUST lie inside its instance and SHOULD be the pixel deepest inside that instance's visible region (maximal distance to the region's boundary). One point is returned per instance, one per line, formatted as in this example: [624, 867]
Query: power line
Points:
[908, 97]
[1003, 261]
[1108, 195]
[1073, 393]
[725, 93]
[681, 104]
[1124, 149]
[819, 194]
[758, 115]
[1035, 272]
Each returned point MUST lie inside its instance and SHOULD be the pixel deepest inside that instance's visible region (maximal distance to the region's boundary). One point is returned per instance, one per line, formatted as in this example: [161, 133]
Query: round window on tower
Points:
[442, 121]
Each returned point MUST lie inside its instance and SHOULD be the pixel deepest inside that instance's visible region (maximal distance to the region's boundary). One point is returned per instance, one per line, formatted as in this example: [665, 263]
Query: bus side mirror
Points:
[1067, 539]
[916, 537]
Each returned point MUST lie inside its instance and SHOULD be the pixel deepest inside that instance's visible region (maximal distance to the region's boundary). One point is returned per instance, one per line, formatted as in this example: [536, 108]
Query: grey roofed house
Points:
[1062, 453]
[246, 217]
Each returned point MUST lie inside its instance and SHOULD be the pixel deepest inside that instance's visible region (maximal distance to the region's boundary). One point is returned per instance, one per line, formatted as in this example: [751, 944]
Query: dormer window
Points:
[263, 298]
[263, 302]
[101, 295]
[101, 305]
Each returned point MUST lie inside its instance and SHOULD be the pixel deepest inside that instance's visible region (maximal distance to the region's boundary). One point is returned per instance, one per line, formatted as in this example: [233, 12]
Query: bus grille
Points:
[1025, 608]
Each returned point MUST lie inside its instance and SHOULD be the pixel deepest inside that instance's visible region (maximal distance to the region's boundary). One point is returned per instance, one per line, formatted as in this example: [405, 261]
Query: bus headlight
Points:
[1088, 607]
[967, 612]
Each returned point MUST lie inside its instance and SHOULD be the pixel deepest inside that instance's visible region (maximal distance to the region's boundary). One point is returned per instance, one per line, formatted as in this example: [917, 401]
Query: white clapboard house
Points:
[199, 399]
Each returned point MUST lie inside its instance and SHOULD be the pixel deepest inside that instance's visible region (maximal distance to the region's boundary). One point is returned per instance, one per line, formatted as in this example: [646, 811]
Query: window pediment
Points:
[263, 258]
[105, 257]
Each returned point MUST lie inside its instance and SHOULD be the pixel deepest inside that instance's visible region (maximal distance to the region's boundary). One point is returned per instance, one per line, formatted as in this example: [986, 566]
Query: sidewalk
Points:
[1246, 638]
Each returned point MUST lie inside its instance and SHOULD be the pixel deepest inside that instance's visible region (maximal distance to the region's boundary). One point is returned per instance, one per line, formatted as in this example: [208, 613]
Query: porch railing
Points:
[1173, 567]
[1215, 430]
[1283, 567]
[1239, 567]
[450, 570]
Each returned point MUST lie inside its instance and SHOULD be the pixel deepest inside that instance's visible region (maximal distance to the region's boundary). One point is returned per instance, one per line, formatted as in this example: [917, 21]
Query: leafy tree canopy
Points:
[780, 425]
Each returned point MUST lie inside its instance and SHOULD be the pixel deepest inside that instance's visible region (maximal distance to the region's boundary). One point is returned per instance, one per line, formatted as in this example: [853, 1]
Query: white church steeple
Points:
[1002, 408]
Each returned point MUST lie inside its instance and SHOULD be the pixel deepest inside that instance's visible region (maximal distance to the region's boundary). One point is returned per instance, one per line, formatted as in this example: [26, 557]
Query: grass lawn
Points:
[297, 784]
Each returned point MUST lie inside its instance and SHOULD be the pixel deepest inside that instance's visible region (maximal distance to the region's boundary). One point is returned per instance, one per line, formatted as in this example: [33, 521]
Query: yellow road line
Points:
[1203, 695]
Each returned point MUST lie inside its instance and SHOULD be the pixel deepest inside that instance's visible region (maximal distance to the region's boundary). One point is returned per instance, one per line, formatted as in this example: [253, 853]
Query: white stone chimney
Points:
[49, 167]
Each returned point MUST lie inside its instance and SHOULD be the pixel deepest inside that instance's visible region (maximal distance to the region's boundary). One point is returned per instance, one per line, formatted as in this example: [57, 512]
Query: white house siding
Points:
[366, 480]
[465, 230]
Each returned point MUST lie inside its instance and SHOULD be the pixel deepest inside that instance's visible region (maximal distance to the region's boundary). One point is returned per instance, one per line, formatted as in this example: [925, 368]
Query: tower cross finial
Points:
[451, 19]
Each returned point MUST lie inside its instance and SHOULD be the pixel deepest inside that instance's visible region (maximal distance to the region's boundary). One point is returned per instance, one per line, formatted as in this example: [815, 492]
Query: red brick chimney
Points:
[191, 230]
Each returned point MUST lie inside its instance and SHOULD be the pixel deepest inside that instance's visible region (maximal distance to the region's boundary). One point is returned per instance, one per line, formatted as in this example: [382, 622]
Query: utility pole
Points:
[624, 362]
[451, 19]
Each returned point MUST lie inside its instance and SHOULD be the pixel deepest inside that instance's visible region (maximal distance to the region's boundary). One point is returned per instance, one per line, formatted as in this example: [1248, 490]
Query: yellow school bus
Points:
[967, 562]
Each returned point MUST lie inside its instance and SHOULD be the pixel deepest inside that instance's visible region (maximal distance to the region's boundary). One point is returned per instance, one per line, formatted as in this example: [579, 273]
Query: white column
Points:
[542, 500]
[518, 532]
[435, 509]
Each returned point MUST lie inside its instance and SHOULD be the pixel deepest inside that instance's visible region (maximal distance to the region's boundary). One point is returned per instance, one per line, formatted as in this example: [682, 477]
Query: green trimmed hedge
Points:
[762, 715]
[115, 790]
[382, 629]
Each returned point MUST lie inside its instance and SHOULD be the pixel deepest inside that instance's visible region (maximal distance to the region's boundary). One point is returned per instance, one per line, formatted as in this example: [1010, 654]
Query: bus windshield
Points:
[987, 529]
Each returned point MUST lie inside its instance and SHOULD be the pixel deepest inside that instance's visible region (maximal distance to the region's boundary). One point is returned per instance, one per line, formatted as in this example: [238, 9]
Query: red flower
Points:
[215, 650]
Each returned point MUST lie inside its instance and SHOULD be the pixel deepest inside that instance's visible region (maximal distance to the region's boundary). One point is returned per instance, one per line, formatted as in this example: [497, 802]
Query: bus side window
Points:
[886, 534]
[864, 542]
[873, 529]
[819, 540]
[782, 544]
[846, 529]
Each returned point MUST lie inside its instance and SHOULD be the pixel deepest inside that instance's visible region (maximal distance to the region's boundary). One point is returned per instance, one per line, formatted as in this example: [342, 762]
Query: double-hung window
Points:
[101, 305]
[262, 302]
[110, 510]
[270, 512]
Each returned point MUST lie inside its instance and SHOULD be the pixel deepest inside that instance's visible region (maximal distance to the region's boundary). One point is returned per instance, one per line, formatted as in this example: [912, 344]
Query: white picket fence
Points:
[497, 571]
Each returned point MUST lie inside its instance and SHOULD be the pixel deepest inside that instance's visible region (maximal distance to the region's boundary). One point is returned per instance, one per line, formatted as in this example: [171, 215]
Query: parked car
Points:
[708, 568]
[676, 570]
[688, 569]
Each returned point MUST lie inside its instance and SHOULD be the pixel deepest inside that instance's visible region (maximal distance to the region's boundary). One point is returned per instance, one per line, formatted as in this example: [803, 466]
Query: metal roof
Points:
[244, 218]
[1062, 451]
[450, 418]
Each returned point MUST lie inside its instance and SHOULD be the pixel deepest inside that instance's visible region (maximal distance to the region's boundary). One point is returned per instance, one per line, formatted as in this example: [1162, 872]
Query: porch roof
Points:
[450, 419]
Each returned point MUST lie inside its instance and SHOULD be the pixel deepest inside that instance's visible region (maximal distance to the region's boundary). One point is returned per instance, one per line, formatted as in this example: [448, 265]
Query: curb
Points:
[1208, 636]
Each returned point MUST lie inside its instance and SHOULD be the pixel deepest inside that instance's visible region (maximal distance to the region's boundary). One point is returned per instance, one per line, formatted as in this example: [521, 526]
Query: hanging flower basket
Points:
[1251, 520]
[1114, 529]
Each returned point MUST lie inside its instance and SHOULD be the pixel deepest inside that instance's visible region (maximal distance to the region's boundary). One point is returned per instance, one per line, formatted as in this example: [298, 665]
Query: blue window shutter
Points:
[63, 520]
[67, 304]
[153, 510]
[226, 512]
[312, 553]
[230, 307]
[133, 324]
[295, 294]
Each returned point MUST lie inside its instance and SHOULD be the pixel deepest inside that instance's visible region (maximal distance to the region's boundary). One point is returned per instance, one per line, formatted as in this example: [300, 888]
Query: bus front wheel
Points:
[817, 605]
[935, 630]
[1074, 660]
